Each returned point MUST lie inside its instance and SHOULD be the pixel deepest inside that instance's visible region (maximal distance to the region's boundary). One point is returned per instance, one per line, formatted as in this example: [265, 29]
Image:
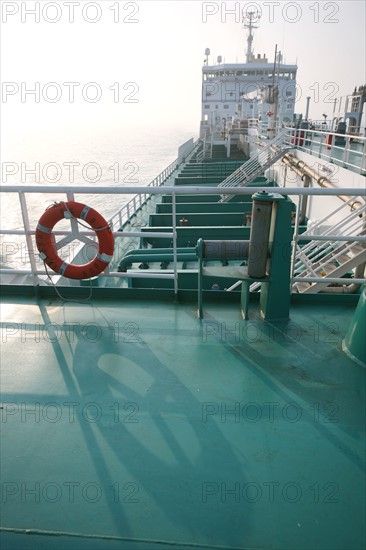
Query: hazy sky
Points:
[145, 57]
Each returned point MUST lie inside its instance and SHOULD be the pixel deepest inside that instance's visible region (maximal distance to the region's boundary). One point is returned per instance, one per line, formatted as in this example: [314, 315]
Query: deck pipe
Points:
[145, 258]
[347, 289]
[185, 249]
[225, 250]
[302, 169]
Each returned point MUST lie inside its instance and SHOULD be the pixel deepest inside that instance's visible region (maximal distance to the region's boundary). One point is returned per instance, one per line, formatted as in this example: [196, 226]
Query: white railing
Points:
[200, 155]
[351, 154]
[130, 208]
[333, 249]
[207, 145]
[70, 191]
[258, 163]
[207, 150]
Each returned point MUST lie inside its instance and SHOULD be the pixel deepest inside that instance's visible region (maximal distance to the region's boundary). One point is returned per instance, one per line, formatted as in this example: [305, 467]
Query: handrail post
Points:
[321, 145]
[295, 240]
[363, 159]
[174, 227]
[346, 151]
[28, 237]
[74, 224]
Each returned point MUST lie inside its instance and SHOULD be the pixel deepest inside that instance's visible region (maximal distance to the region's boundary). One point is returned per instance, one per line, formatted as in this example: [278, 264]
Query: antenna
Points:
[274, 67]
[249, 25]
[207, 53]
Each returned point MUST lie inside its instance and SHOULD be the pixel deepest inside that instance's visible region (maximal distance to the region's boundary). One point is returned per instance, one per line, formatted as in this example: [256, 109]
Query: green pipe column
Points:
[354, 343]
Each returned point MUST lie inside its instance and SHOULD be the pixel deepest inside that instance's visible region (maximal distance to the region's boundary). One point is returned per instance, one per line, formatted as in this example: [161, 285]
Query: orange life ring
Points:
[47, 247]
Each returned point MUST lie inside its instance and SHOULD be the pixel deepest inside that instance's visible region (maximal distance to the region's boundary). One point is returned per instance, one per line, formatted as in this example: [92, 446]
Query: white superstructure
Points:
[349, 109]
[232, 93]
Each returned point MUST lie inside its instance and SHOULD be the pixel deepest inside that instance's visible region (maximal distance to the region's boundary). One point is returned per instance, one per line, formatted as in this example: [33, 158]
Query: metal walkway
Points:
[330, 258]
[257, 164]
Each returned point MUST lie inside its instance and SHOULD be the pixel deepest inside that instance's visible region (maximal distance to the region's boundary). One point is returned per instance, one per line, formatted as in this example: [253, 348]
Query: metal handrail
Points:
[70, 191]
[322, 145]
[171, 190]
[250, 167]
[321, 253]
[129, 209]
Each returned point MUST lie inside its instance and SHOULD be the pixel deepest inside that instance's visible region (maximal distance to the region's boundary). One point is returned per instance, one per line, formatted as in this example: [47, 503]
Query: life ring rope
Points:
[68, 299]
[48, 247]
[83, 215]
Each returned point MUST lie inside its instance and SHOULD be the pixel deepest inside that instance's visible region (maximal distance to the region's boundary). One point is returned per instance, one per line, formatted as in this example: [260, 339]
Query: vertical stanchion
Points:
[175, 246]
[295, 239]
[31, 253]
[74, 224]
[346, 152]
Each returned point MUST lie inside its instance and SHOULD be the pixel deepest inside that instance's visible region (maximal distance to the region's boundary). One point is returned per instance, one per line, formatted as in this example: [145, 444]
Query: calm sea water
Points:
[117, 157]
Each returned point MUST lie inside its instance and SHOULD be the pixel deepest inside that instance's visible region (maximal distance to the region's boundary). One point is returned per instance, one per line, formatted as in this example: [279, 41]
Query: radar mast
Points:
[248, 24]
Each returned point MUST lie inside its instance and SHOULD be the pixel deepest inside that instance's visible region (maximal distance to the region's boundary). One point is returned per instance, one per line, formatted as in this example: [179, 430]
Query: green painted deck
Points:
[133, 425]
[129, 424]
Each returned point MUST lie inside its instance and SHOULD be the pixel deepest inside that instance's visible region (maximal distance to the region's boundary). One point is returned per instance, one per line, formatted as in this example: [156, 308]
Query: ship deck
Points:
[134, 425]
